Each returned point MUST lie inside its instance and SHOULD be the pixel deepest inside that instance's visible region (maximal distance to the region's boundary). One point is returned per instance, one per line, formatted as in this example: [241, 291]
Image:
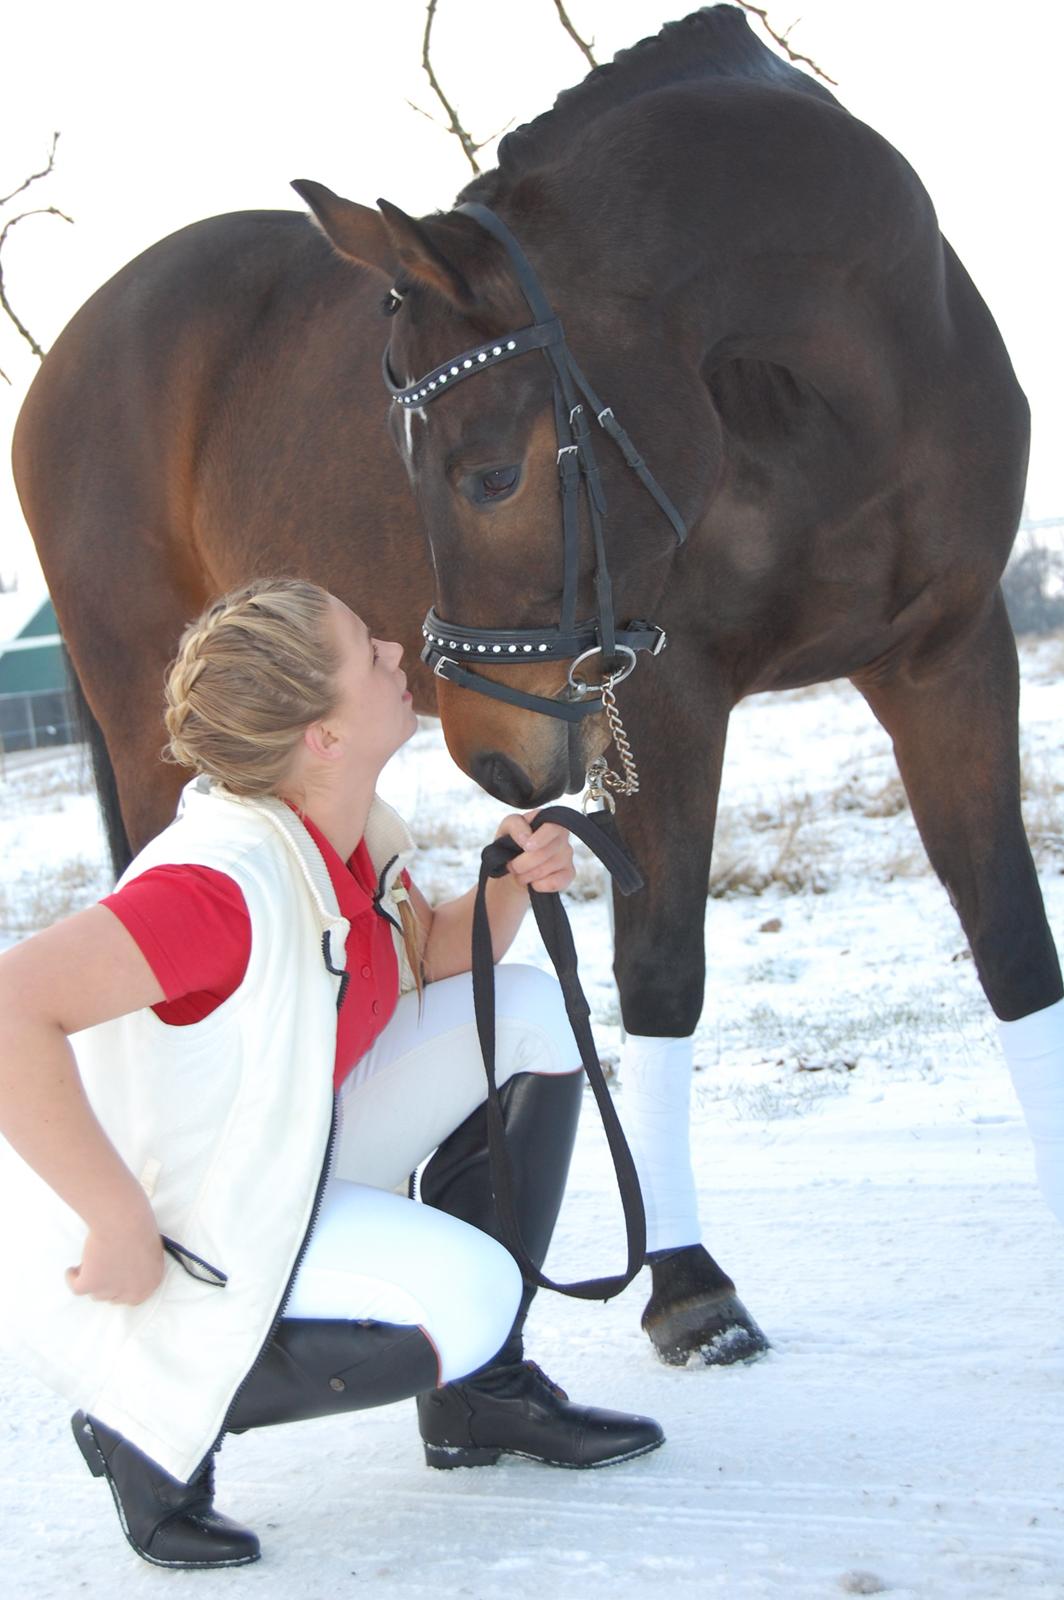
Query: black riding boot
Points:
[316, 1367]
[308, 1369]
[510, 1407]
[169, 1523]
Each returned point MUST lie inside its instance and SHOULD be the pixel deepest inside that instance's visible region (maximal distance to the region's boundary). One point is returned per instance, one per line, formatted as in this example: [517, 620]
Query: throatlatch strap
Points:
[598, 831]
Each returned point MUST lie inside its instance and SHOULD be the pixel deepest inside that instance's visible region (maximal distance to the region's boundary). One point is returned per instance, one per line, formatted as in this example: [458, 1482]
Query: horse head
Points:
[515, 578]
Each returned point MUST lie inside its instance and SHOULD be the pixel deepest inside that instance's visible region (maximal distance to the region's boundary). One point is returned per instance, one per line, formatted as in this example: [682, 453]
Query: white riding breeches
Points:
[374, 1255]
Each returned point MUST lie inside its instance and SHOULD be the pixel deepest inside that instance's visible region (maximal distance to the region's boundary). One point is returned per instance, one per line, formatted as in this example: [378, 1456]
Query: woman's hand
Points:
[44, 1113]
[545, 864]
[546, 859]
[124, 1266]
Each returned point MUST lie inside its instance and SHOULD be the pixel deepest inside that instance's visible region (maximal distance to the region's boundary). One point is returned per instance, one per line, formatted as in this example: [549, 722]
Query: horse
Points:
[811, 458]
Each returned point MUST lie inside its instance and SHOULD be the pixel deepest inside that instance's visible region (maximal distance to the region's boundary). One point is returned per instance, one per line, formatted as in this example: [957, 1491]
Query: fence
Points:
[35, 720]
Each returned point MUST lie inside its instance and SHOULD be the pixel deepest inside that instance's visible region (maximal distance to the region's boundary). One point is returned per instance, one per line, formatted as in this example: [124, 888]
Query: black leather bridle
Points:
[450, 648]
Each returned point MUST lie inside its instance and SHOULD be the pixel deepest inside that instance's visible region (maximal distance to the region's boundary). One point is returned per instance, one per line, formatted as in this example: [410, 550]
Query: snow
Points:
[864, 1175]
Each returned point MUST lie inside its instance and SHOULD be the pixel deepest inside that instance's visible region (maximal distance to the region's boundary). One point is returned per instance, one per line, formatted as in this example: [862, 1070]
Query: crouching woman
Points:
[273, 1029]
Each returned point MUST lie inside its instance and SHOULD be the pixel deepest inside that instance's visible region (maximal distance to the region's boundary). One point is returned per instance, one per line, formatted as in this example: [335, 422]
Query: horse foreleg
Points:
[955, 738]
[660, 969]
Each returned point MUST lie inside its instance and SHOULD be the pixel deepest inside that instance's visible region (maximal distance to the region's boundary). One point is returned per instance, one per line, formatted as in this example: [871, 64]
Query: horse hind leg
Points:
[121, 622]
[955, 736]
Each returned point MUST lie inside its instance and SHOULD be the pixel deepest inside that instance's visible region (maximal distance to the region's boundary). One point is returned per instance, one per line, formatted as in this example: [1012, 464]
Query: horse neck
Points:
[771, 225]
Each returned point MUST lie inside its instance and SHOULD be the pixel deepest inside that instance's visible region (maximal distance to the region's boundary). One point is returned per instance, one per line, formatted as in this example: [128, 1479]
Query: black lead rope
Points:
[598, 831]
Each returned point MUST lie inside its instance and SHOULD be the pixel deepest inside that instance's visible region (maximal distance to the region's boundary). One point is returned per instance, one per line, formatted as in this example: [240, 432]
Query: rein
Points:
[599, 833]
[451, 648]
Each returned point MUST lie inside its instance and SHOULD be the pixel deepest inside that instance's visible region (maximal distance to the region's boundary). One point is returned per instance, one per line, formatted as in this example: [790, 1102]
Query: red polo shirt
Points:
[191, 925]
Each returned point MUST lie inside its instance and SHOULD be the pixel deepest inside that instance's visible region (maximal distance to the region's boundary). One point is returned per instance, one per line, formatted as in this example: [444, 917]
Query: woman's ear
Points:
[320, 740]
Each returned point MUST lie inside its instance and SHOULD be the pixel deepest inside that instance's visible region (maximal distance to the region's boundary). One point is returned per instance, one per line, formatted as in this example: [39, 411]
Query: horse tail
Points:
[103, 773]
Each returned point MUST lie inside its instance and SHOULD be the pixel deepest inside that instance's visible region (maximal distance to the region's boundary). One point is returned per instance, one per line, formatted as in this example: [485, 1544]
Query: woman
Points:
[249, 1091]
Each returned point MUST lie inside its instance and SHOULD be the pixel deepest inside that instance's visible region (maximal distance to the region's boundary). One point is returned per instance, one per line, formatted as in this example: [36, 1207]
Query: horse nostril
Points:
[502, 778]
[510, 783]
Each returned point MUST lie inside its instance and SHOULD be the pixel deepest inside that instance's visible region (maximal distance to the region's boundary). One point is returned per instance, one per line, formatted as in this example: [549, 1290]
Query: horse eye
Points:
[495, 485]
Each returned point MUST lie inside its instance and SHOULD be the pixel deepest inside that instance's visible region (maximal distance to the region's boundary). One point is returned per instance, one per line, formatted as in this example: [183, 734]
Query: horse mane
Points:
[715, 42]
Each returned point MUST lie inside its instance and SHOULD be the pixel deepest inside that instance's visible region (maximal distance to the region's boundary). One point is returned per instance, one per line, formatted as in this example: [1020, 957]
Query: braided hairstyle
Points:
[251, 674]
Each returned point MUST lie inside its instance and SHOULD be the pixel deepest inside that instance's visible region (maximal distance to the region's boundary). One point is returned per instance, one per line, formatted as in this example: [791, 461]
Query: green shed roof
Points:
[32, 661]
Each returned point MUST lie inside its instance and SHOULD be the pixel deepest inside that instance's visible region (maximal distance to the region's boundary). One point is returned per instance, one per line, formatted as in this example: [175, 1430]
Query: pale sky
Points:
[169, 113]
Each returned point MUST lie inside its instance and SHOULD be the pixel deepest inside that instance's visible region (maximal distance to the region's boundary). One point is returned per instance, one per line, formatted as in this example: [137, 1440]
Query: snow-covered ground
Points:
[864, 1175]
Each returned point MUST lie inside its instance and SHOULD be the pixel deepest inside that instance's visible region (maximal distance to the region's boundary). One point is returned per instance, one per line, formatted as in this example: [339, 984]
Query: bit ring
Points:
[614, 678]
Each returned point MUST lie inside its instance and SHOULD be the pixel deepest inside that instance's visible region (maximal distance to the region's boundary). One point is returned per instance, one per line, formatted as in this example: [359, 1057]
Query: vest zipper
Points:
[337, 972]
[382, 887]
[315, 1210]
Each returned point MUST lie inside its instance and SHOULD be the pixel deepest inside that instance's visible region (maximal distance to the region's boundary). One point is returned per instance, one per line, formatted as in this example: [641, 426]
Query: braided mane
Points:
[715, 42]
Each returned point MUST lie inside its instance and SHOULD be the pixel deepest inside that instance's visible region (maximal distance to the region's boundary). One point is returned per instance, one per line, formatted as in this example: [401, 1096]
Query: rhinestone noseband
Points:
[449, 645]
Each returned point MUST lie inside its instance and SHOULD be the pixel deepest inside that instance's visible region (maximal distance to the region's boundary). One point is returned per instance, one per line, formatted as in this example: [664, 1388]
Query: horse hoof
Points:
[695, 1312]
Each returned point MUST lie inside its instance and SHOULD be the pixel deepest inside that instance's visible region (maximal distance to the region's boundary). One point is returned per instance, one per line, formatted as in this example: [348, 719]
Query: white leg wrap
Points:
[1034, 1050]
[655, 1111]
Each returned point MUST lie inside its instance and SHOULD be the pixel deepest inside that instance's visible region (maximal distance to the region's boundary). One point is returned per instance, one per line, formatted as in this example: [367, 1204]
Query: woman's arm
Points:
[85, 970]
[545, 863]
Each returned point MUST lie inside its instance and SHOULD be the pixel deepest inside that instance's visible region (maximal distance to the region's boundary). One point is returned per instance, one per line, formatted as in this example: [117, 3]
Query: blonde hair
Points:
[250, 676]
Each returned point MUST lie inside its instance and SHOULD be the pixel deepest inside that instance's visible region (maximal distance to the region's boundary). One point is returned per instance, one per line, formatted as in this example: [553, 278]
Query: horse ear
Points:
[356, 231]
[423, 255]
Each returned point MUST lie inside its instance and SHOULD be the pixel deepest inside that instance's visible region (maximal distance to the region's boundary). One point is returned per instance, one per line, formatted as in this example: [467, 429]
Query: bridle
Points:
[450, 648]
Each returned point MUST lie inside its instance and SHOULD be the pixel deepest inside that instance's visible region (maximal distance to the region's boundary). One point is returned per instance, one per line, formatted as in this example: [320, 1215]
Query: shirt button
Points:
[367, 972]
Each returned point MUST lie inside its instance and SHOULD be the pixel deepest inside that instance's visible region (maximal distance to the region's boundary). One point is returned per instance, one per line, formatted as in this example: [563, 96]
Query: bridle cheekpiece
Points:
[450, 648]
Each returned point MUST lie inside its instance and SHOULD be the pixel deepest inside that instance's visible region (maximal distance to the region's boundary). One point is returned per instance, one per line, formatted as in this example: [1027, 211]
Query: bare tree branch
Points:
[455, 126]
[5, 304]
[436, 123]
[497, 134]
[781, 40]
[563, 18]
[35, 175]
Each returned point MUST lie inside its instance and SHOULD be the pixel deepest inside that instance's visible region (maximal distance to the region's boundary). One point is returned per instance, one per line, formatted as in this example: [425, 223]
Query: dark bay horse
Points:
[756, 284]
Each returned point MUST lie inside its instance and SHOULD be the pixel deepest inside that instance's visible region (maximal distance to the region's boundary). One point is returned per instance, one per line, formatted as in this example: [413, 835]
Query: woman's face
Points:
[375, 710]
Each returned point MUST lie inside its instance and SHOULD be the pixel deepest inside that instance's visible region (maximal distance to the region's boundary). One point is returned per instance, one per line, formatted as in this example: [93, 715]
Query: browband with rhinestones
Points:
[451, 372]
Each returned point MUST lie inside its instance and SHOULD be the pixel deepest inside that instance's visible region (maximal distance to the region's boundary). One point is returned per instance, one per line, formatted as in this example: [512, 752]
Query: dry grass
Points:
[37, 899]
[1043, 659]
[448, 833]
[1042, 796]
[46, 785]
[771, 1102]
[870, 799]
[834, 1042]
[793, 847]
[783, 850]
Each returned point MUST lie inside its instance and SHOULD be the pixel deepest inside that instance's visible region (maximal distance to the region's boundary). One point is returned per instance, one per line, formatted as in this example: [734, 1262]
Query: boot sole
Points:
[446, 1456]
[85, 1440]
